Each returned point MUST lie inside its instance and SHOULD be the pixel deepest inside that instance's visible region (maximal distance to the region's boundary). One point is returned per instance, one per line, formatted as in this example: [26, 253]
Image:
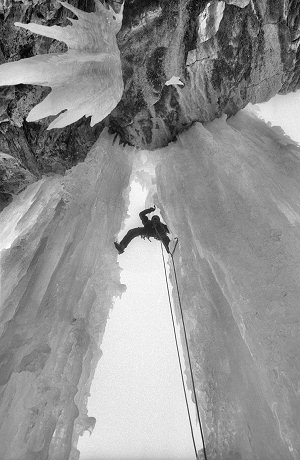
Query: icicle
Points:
[86, 80]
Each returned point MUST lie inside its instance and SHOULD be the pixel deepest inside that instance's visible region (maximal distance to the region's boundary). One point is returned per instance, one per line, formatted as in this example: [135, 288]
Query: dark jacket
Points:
[156, 231]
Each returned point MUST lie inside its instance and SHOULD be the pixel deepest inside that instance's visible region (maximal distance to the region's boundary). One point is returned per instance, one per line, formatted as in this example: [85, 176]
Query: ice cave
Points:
[96, 97]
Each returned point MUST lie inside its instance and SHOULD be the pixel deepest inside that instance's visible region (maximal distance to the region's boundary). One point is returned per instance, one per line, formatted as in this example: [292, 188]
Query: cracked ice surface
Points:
[230, 191]
[86, 80]
[59, 277]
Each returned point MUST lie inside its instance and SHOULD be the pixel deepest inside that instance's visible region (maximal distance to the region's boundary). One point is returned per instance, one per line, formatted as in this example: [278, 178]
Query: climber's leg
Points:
[133, 233]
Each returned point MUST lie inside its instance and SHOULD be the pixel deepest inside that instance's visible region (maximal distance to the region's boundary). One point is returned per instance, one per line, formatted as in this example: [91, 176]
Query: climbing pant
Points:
[133, 233]
[141, 231]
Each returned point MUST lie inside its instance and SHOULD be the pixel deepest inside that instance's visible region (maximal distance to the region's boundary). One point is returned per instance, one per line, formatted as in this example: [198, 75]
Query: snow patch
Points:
[209, 20]
[174, 81]
[239, 3]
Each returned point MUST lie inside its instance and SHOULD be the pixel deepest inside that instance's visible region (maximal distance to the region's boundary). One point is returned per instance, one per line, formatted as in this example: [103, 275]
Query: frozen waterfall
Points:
[59, 278]
[230, 191]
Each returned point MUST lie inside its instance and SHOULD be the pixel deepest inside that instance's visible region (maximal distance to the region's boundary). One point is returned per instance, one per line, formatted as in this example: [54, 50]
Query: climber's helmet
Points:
[155, 220]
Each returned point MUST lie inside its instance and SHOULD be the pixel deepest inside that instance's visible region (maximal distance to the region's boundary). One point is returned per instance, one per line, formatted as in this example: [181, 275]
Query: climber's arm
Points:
[143, 216]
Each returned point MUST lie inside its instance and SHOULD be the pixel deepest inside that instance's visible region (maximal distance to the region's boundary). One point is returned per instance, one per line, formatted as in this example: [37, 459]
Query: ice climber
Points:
[152, 228]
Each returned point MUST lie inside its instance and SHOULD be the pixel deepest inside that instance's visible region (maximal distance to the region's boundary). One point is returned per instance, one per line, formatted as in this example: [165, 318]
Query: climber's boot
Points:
[119, 247]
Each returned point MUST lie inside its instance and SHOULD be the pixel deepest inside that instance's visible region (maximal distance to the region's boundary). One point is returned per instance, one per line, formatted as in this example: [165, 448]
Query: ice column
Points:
[59, 277]
[230, 190]
[86, 80]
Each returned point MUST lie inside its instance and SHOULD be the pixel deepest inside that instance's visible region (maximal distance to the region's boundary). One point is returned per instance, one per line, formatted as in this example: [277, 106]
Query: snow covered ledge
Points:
[59, 278]
[230, 191]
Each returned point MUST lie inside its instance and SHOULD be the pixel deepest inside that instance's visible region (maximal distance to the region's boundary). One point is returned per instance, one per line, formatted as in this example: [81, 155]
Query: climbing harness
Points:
[187, 348]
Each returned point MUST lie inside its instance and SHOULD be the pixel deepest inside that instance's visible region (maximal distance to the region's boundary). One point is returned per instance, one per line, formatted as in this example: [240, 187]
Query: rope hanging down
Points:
[189, 359]
[188, 353]
[178, 354]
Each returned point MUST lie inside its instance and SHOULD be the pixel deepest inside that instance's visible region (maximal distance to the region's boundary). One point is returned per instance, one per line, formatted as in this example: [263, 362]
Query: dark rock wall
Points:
[250, 56]
[36, 150]
[253, 56]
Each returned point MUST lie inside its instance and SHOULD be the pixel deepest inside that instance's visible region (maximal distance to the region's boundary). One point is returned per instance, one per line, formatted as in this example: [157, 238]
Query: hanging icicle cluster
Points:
[86, 80]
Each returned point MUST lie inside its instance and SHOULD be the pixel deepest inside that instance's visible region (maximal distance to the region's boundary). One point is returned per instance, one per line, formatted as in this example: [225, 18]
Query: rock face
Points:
[13, 178]
[226, 53]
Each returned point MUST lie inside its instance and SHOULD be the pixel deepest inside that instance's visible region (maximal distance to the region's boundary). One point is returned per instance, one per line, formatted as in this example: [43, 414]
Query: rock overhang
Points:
[247, 55]
[247, 52]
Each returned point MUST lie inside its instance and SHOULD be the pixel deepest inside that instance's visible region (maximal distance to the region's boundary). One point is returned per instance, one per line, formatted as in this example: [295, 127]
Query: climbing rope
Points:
[178, 354]
[187, 348]
[186, 343]
[189, 358]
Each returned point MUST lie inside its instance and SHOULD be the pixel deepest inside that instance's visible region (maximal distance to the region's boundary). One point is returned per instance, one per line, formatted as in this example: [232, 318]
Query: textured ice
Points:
[59, 278]
[86, 80]
[230, 190]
